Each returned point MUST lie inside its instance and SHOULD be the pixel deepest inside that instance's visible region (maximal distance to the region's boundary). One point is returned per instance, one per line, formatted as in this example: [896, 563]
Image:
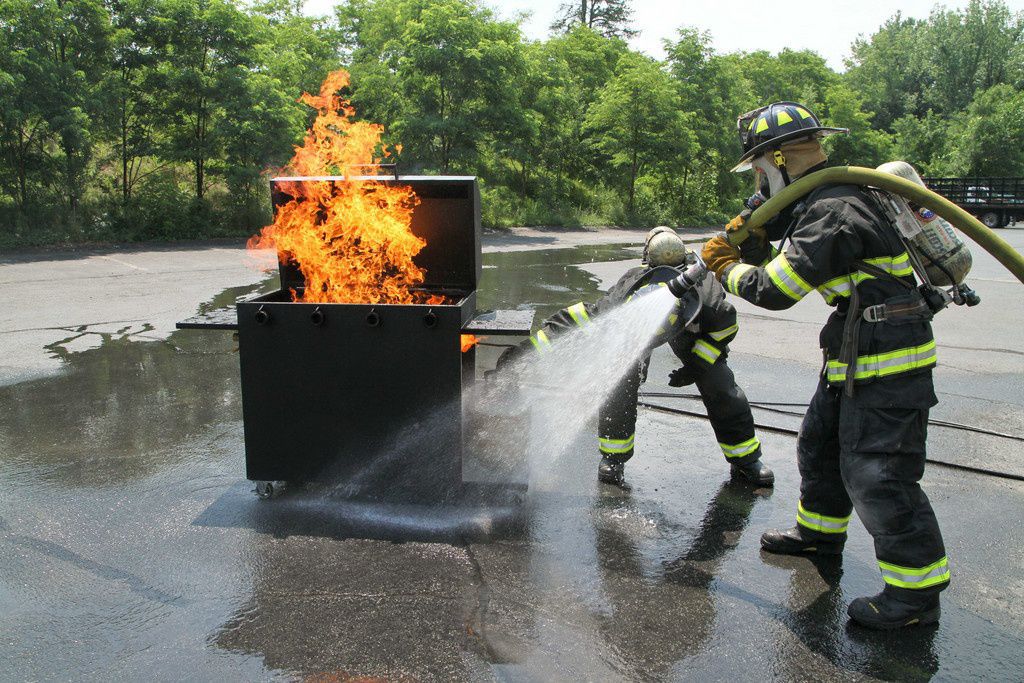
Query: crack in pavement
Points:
[476, 622]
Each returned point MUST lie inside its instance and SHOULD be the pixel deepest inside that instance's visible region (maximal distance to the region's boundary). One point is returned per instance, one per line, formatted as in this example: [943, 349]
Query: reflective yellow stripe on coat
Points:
[840, 287]
[579, 314]
[722, 334]
[706, 351]
[735, 274]
[540, 341]
[885, 364]
[786, 280]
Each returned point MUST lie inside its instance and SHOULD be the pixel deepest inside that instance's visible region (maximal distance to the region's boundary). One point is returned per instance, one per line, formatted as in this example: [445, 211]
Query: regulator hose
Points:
[857, 175]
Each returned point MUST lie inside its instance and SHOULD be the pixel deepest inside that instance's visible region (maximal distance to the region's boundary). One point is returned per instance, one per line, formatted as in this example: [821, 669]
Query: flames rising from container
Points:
[352, 240]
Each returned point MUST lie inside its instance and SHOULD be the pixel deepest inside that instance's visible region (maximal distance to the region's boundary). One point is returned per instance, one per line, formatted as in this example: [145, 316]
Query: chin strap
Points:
[780, 163]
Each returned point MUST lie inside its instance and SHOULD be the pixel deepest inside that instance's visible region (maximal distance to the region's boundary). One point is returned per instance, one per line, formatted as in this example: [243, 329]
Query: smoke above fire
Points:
[352, 240]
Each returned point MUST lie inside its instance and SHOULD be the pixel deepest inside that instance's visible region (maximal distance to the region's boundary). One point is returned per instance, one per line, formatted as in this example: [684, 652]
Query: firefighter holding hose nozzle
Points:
[862, 443]
[700, 341]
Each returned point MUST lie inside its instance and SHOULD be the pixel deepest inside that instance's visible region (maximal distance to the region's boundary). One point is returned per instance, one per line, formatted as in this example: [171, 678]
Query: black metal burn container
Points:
[362, 393]
[368, 396]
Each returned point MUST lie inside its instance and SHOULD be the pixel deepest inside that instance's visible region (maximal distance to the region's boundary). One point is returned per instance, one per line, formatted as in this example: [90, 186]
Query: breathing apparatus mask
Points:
[771, 177]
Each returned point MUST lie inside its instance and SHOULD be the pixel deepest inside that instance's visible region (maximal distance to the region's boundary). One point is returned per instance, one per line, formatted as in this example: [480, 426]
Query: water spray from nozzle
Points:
[688, 279]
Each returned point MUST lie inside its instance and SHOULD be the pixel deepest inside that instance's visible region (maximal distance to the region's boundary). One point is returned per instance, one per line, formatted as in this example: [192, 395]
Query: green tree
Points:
[569, 72]
[711, 91]
[969, 50]
[456, 68]
[891, 69]
[924, 142]
[128, 105]
[864, 145]
[793, 75]
[609, 18]
[909, 66]
[205, 44]
[296, 50]
[62, 47]
[987, 139]
[636, 122]
[23, 126]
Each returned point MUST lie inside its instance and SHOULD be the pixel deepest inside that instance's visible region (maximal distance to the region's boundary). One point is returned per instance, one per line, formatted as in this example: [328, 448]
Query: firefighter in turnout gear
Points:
[862, 443]
[702, 346]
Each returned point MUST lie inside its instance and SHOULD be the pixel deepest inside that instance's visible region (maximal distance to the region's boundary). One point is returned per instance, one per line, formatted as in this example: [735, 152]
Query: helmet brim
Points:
[819, 132]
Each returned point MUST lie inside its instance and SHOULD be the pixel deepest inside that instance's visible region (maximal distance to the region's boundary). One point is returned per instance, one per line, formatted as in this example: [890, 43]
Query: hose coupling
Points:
[688, 279]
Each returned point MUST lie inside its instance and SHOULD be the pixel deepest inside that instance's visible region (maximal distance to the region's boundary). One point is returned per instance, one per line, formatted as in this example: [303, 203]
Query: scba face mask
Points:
[768, 178]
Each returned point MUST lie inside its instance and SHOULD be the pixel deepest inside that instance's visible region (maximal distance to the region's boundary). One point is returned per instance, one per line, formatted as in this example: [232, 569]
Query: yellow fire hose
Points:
[857, 175]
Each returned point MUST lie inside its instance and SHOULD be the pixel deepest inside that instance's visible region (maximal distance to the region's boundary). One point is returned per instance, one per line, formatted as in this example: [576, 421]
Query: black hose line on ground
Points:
[794, 432]
[770, 407]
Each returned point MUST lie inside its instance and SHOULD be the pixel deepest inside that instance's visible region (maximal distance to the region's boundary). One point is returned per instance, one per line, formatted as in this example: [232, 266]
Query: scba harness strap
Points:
[898, 310]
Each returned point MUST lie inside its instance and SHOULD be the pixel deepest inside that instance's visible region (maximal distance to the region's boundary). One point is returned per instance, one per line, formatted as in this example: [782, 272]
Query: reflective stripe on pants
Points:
[740, 450]
[819, 522]
[616, 446]
[915, 577]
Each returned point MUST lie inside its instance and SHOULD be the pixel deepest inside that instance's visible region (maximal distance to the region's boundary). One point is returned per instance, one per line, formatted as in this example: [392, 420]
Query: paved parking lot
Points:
[131, 546]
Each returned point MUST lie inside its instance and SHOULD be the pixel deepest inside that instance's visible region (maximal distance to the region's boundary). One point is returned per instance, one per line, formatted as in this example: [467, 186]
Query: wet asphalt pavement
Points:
[132, 547]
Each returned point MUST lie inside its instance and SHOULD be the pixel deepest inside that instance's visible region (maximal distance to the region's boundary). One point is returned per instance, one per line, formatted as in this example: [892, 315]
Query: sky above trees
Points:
[829, 30]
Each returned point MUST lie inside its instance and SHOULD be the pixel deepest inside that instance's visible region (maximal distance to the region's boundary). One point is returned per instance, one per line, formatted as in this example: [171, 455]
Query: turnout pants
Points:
[727, 406]
[853, 456]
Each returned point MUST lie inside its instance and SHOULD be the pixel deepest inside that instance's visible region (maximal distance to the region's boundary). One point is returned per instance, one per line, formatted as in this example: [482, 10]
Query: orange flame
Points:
[468, 341]
[352, 240]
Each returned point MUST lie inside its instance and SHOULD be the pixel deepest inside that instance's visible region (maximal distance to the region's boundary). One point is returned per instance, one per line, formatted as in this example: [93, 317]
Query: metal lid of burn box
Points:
[447, 218]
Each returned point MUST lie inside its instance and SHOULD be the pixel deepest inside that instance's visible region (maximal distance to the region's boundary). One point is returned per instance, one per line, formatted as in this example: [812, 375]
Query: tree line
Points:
[159, 119]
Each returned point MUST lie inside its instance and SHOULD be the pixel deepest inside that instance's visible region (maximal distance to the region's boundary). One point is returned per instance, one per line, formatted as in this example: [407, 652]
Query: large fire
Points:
[352, 240]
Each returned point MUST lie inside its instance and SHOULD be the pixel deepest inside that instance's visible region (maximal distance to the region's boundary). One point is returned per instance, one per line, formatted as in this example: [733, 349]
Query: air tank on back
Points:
[946, 258]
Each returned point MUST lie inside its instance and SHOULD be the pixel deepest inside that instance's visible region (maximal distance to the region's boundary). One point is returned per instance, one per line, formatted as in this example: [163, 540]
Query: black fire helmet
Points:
[771, 126]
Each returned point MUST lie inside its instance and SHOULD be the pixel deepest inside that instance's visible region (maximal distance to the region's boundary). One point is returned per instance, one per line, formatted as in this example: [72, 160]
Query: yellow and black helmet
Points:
[771, 126]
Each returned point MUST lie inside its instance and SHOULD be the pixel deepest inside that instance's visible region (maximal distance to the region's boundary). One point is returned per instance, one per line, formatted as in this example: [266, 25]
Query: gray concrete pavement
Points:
[131, 546]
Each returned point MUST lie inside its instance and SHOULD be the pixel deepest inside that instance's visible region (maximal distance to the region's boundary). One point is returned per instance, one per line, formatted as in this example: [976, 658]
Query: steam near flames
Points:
[351, 240]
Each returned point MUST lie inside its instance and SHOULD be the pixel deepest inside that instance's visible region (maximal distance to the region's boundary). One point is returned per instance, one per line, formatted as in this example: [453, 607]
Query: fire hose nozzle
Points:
[688, 279]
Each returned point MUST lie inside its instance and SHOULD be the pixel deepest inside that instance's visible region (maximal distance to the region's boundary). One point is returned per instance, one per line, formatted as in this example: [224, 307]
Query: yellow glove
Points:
[758, 234]
[718, 253]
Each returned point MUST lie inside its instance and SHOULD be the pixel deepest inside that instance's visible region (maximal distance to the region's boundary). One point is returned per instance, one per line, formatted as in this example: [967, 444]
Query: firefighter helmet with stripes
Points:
[772, 126]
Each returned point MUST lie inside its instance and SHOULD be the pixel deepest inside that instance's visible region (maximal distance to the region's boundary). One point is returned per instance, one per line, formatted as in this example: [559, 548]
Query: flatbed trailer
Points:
[996, 202]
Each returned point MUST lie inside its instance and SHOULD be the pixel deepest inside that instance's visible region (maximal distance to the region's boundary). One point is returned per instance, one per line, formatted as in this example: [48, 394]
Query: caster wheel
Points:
[265, 490]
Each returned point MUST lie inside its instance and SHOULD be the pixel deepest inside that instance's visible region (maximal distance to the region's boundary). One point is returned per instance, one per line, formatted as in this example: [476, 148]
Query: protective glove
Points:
[754, 248]
[512, 354]
[681, 377]
[718, 254]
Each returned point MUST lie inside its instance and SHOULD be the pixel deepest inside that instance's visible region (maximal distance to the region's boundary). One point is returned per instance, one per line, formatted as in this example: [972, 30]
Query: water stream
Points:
[556, 393]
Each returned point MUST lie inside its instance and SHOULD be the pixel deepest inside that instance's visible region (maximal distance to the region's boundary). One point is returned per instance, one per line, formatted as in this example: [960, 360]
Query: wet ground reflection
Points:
[132, 546]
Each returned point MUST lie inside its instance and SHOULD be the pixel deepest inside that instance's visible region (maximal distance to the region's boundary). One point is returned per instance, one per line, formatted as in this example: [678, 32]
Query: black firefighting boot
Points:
[894, 608]
[611, 471]
[792, 542]
[755, 471]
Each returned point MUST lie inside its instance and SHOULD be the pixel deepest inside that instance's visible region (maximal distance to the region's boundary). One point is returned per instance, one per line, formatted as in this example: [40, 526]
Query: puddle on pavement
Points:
[124, 405]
